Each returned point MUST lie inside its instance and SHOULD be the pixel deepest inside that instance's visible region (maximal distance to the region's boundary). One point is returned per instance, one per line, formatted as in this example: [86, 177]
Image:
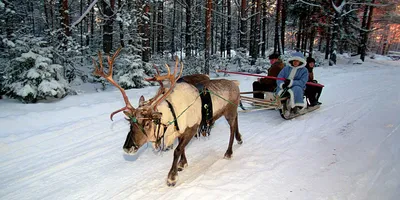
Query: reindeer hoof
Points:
[171, 183]
[228, 156]
[240, 142]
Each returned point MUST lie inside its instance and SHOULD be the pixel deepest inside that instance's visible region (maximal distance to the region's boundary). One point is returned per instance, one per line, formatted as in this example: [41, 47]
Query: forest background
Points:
[47, 46]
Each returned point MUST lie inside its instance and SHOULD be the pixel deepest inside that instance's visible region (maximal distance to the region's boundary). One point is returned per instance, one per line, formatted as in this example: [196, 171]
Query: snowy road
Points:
[348, 149]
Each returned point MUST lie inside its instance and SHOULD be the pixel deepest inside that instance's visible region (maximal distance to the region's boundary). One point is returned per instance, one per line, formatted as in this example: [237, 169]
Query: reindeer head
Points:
[145, 121]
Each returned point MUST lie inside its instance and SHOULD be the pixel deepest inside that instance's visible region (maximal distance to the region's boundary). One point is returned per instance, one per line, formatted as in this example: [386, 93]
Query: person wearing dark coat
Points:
[312, 92]
[266, 84]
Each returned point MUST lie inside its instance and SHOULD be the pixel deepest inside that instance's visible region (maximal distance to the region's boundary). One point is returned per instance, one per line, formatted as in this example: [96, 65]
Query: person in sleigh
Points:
[296, 77]
[266, 84]
[312, 92]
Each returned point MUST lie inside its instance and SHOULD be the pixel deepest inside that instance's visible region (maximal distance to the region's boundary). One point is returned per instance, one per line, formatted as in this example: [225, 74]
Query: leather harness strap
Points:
[173, 114]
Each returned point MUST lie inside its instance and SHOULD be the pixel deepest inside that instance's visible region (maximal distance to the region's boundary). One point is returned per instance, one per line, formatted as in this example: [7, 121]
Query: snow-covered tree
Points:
[131, 71]
[32, 77]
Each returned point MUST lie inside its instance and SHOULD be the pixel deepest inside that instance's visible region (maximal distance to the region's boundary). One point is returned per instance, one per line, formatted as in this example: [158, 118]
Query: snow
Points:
[32, 73]
[51, 87]
[347, 149]
[9, 42]
[24, 91]
[30, 54]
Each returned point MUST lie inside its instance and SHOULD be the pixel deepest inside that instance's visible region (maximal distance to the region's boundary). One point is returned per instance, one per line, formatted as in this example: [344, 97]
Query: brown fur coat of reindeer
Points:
[153, 121]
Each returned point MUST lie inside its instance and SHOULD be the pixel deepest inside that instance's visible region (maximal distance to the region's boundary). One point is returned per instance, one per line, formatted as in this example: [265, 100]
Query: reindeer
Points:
[174, 112]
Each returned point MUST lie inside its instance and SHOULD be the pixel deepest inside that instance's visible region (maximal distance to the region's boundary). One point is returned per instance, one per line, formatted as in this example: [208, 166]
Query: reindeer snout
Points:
[131, 150]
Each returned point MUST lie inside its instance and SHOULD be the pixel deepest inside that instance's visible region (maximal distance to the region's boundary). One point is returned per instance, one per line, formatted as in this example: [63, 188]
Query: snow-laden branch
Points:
[84, 14]
[308, 3]
[373, 5]
[352, 10]
[339, 8]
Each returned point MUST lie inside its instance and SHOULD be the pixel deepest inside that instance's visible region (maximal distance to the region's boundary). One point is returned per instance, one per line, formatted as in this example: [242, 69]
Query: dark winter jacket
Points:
[310, 73]
[272, 71]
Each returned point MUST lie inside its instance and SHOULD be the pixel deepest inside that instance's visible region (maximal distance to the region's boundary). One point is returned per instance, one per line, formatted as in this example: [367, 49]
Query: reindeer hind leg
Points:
[231, 121]
[238, 136]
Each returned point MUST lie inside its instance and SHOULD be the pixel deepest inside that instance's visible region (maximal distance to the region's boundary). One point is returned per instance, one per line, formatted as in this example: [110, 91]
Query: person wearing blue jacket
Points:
[296, 77]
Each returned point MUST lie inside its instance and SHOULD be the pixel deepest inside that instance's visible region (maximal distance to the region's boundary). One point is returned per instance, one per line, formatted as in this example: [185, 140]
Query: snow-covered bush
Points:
[242, 60]
[32, 77]
[193, 65]
[2, 77]
[130, 71]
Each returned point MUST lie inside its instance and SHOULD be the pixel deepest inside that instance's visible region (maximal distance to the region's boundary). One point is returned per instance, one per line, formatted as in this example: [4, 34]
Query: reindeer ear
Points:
[141, 100]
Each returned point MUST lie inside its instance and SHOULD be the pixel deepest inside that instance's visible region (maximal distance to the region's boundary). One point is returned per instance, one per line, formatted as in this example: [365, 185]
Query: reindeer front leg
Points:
[180, 152]
[173, 172]
[182, 164]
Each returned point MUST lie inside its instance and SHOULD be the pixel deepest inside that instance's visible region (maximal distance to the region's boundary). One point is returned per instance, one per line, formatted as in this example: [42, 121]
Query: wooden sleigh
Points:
[271, 101]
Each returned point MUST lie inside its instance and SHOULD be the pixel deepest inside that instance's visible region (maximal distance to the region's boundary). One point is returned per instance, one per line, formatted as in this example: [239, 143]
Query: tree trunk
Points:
[263, 28]
[363, 25]
[328, 41]
[243, 25]
[153, 28]
[229, 30]
[121, 27]
[160, 21]
[283, 26]
[320, 42]
[208, 37]
[252, 31]
[88, 18]
[365, 35]
[188, 37]
[108, 25]
[181, 43]
[64, 22]
[81, 12]
[173, 31]
[222, 44]
[9, 21]
[31, 9]
[213, 30]
[277, 20]
[256, 48]
[335, 30]
[299, 34]
[312, 37]
[146, 33]
[46, 15]
[91, 25]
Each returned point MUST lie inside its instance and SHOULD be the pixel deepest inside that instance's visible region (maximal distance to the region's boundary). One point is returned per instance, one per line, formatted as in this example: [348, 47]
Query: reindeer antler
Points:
[172, 79]
[160, 90]
[99, 71]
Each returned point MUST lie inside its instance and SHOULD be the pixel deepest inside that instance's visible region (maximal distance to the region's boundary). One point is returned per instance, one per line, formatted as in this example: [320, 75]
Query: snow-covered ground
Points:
[348, 149]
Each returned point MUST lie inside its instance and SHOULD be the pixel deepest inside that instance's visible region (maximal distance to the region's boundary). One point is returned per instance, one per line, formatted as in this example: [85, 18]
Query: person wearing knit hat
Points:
[312, 92]
[296, 77]
[267, 84]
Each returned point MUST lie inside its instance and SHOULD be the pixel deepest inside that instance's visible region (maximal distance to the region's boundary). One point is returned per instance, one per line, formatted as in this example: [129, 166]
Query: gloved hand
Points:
[286, 84]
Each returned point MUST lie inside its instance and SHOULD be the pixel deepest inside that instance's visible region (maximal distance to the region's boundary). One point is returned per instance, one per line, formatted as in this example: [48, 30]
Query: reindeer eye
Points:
[147, 124]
